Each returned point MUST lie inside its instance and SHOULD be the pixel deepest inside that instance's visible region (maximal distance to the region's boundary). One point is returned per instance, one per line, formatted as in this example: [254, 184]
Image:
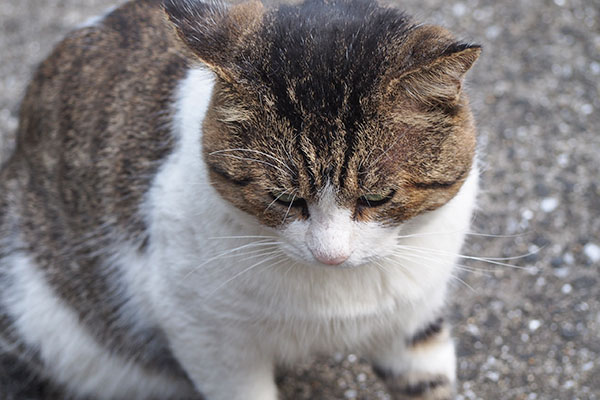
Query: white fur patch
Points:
[96, 19]
[235, 297]
[435, 357]
[72, 356]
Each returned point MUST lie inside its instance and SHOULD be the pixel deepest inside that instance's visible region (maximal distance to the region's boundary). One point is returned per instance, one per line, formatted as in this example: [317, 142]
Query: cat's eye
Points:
[288, 199]
[284, 197]
[375, 199]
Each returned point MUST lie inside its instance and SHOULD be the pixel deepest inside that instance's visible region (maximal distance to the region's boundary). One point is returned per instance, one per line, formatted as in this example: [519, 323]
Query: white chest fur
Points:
[216, 274]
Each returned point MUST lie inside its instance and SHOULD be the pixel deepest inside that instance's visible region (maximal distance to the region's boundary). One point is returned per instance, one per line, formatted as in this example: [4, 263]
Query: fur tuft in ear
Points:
[441, 81]
[439, 67]
[213, 30]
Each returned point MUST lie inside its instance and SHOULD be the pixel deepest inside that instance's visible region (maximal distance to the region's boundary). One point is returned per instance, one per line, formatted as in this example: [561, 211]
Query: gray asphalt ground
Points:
[526, 332]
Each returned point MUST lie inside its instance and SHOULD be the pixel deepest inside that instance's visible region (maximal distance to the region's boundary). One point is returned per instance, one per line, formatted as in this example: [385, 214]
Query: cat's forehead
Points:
[317, 70]
[324, 58]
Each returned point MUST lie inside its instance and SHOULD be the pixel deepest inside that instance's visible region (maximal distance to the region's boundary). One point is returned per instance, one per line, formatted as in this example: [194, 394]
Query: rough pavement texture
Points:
[528, 332]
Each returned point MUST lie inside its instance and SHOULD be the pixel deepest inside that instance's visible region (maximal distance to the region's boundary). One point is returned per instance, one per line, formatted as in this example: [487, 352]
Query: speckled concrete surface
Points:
[529, 332]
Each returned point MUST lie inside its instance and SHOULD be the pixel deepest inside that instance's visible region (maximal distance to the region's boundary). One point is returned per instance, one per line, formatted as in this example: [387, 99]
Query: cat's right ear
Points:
[439, 65]
[214, 31]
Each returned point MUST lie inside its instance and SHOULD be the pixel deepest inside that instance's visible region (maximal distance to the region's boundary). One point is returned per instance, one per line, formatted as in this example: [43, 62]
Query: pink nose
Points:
[330, 259]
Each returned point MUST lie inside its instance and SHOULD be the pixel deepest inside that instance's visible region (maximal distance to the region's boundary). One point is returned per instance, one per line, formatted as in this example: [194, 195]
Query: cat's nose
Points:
[330, 259]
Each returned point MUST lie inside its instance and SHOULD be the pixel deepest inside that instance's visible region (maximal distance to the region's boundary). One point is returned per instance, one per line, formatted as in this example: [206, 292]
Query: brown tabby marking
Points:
[433, 331]
[81, 168]
[385, 111]
[417, 386]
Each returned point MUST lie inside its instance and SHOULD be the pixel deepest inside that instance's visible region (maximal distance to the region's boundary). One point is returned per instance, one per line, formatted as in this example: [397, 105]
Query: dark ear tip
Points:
[172, 8]
[460, 47]
[476, 48]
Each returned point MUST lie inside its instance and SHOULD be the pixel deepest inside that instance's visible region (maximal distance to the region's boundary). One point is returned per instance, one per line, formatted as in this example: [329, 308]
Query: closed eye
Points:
[288, 199]
[375, 199]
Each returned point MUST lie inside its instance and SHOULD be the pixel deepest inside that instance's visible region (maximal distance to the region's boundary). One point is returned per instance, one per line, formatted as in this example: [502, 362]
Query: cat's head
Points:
[332, 122]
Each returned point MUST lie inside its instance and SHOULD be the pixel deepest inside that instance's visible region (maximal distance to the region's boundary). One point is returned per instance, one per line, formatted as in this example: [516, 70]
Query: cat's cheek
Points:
[292, 243]
[373, 242]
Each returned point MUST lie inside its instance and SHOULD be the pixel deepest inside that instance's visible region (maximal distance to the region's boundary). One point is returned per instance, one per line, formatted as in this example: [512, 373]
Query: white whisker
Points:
[248, 245]
[460, 231]
[277, 198]
[257, 152]
[290, 268]
[372, 164]
[463, 282]
[403, 268]
[249, 254]
[242, 237]
[381, 266]
[243, 272]
[489, 260]
[411, 256]
[289, 208]
[255, 160]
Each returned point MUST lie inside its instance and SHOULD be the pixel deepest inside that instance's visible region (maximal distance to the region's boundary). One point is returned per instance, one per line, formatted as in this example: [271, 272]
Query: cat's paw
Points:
[425, 369]
[418, 386]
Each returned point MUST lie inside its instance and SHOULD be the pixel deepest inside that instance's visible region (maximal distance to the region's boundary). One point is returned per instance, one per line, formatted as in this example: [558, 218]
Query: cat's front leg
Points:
[422, 367]
[225, 369]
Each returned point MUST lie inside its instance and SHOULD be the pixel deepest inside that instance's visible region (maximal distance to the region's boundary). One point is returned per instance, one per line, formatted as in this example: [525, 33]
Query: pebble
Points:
[493, 376]
[587, 366]
[569, 258]
[563, 160]
[540, 282]
[587, 109]
[562, 272]
[592, 251]
[534, 324]
[473, 330]
[549, 204]
[493, 32]
[459, 9]
[527, 214]
[569, 384]
[567, 288]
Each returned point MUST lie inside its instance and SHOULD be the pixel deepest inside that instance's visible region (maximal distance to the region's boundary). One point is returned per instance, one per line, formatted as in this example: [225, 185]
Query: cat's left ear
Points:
[213, 31]
[438, 73]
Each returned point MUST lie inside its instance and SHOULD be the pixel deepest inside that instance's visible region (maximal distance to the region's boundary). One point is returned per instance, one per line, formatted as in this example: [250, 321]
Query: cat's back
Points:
[95, 121]
[124, 62]
[95, 125]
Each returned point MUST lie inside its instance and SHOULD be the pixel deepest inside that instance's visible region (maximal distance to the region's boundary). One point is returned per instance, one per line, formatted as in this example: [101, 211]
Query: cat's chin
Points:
[346, 265]
[342, 265]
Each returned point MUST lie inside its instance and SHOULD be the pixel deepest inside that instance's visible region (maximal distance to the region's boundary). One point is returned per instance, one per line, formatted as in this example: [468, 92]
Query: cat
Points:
[203, 192]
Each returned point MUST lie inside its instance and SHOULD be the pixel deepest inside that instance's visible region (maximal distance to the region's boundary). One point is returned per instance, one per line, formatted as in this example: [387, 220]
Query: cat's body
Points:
[190, 207]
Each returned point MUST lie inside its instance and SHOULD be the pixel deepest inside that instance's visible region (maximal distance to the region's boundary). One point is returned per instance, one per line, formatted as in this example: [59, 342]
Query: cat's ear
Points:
[437, 73]
[212, 30]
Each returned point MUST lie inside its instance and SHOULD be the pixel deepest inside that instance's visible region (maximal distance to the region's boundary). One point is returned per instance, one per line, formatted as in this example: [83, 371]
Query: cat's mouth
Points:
[331, 259]
[317, 258]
